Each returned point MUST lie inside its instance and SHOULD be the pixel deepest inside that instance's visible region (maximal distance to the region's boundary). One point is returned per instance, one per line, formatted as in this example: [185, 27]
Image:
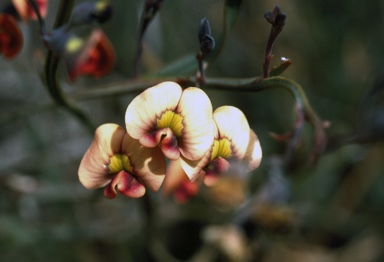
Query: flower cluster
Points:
[11, 37]
[94, 55]
[162, 122]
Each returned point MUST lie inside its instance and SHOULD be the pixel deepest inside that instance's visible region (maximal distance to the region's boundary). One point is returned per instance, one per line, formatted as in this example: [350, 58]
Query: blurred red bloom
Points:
[11, 38]
[96, 57]
[26, 12]
[177, 183]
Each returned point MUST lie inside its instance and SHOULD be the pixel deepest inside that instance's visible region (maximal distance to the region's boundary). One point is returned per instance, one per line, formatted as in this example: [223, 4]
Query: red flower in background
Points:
[11, 38]
[26, 12]
[177, 183]
[95, 57]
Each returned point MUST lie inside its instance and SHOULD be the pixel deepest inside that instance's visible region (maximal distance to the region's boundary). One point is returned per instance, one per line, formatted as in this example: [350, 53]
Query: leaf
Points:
[181, 66]
[188, 63]
[231, 10]
[231, 13]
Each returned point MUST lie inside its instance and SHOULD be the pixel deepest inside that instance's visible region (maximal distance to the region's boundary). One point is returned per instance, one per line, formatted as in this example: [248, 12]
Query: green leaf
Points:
[231, 13]
[231, 10]
[188, 63]
[183, 66]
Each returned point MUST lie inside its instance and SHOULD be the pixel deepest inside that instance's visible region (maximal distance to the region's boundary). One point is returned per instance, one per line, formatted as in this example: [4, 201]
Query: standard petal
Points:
[144, 110]
[194, 168]
[93, 171]
[254, 153]
[148, 164]
[198, 131]
[233, 125]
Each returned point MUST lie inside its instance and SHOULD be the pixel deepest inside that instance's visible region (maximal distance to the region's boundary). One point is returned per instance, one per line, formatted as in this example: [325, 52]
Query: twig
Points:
[151, 7]
[43, 29]
[51, 66]
[277, 19]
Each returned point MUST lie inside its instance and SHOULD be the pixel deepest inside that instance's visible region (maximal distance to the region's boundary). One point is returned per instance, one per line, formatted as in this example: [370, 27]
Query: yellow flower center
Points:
[172, 120]
[100, 6]
[221, 148]
[119, 162]
[74, 45]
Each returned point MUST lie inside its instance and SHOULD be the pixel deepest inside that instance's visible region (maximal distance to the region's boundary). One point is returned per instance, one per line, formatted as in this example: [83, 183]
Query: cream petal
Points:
[148, 163]
[194, 168]
[174, 177]
[233, 125]
[198, 131]
[254, 153]
[93, 172]
[142, 113]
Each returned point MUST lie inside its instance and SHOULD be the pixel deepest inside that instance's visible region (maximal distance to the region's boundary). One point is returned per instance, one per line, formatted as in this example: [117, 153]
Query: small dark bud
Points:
[204, 29]
[270, 17]
[207, 43]
[275, 16]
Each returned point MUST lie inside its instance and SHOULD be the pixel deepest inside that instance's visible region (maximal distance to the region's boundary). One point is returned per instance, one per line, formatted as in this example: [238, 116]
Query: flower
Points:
[87, 12]
[177, 183]
[11, 38]
[94, 57]
[25, 11]
[117, 161]
[178, 121]
[234, 141]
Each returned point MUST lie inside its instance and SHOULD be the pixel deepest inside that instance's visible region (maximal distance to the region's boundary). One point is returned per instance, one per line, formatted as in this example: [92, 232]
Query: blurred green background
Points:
[331, 212]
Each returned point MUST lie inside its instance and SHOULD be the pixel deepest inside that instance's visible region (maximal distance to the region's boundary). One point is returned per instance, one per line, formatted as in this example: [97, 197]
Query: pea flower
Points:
[234, 141]
[177, 183]
[11, 38]
[116, 161]
[25, 11]
[95, 57]
[178, 121]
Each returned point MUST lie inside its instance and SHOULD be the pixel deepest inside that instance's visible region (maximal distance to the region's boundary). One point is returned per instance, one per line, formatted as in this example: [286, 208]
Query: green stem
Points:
[51, 66]
[35, 8]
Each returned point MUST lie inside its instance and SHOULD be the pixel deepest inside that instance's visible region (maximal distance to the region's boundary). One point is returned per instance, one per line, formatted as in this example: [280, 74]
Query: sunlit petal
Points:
[145, 109]
[193, 168]
[254, 153]
[233, 125]
[197, 135]
[148, 163]
[93, 170]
